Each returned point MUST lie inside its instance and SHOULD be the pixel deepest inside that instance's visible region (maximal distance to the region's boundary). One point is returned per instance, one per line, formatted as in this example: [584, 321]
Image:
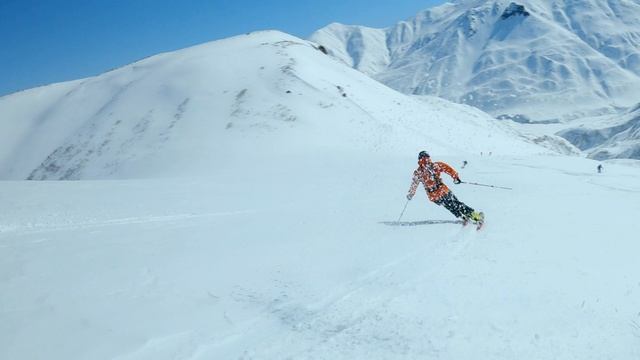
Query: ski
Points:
[478, 223]
[421, 222]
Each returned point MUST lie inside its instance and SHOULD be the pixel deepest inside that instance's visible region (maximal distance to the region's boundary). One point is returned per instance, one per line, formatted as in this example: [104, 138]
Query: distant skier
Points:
[428, 173]
[600, 167]
[464, 163]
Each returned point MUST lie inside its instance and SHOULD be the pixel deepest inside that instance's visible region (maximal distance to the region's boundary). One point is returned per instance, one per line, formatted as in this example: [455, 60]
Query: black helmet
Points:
[423, 154]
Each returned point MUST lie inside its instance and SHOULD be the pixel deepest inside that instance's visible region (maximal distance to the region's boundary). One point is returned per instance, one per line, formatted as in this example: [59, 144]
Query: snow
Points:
[364, 48]
[262, 239]
[298, 266]
[616, 137]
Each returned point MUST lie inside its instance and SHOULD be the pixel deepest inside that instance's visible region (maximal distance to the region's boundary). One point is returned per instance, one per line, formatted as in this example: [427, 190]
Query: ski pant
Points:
[455, 206]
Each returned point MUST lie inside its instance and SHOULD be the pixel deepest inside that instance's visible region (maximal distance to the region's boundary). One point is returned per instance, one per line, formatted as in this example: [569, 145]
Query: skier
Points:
[599, 168]
[464, 163]
[428, 173]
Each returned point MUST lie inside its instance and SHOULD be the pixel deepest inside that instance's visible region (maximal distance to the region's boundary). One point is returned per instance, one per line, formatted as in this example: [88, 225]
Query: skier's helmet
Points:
[423, 154]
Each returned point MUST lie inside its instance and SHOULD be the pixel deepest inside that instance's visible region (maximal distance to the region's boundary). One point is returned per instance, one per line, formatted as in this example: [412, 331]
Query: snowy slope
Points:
[292, 263]
[541, 59]
[264, 96]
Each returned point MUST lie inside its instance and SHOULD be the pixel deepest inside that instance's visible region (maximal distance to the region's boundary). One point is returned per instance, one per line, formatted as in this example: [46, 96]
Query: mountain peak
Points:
[514, 10]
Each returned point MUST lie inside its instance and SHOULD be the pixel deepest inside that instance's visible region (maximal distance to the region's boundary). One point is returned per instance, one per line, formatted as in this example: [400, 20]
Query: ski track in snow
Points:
[44, 228]
[341, 319]
[334, 323]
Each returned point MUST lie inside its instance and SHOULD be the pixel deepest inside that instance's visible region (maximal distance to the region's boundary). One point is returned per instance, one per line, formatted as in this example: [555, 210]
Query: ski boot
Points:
[478, 218]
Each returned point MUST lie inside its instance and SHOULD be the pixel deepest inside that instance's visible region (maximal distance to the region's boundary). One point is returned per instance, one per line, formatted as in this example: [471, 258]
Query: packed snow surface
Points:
[293, 263]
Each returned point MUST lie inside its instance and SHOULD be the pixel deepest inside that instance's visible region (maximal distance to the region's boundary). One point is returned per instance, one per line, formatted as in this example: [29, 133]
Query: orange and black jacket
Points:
[429, 175]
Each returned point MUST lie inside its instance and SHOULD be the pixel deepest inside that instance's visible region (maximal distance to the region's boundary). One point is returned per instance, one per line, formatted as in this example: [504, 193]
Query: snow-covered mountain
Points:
[267, 97]
[536, 59]
[620, 139]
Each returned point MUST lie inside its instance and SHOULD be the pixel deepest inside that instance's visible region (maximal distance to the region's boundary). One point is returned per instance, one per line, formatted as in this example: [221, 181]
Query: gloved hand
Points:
[409, 196]
[457, 181]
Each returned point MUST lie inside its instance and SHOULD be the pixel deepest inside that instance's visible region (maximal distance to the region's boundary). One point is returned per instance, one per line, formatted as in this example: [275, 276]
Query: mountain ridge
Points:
[183, 112]
[470, 52]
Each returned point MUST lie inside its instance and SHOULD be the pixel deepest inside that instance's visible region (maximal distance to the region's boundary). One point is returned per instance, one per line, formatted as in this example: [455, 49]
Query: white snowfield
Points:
[228, 205]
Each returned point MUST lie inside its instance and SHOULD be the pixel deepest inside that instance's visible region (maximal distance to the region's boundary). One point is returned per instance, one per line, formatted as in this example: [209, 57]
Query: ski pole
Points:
[493, 186]
[405, 208]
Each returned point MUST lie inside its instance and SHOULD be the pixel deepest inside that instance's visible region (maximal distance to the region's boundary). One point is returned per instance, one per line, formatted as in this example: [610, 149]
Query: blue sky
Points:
[47, 41]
